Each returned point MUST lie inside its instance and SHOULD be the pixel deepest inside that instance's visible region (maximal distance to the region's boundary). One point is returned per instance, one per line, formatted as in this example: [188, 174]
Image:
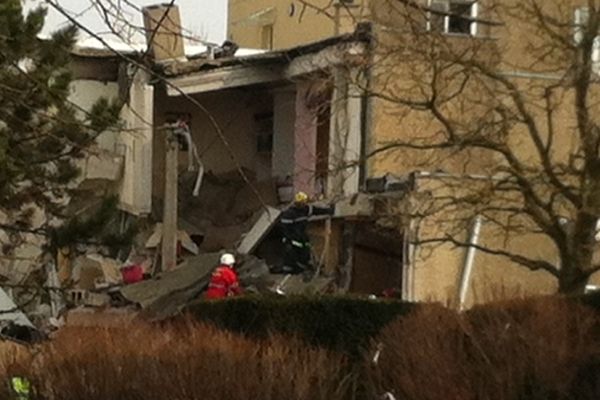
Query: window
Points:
[266, 37]
[581, 17]
[453, 16]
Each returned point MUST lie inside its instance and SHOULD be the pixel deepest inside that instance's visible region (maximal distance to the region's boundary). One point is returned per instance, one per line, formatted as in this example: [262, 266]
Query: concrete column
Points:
[135, 144]
[345, 136]
[305, 159]
[284, 120]
[354, 137]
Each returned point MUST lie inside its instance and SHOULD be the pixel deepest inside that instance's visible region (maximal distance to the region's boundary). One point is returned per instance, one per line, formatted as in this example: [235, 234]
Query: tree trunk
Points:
[572, 280]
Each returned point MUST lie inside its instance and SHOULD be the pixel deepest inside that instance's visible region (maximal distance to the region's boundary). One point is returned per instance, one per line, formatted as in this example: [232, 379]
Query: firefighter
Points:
[224, 281]
[296, 243]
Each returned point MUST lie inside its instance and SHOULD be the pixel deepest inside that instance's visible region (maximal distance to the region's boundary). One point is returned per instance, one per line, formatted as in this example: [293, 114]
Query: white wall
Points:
[84, 93]
[124, 156]
[136, 141]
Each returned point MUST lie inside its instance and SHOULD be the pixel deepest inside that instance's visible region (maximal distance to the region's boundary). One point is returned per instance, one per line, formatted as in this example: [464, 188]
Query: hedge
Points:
[338, 323]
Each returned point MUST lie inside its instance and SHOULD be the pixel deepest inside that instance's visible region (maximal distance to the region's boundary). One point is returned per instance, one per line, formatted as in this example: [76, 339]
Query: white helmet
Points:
[228, 259]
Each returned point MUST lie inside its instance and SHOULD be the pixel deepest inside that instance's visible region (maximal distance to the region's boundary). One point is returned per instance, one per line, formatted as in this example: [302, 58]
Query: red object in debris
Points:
[132, 274]
[392, 293]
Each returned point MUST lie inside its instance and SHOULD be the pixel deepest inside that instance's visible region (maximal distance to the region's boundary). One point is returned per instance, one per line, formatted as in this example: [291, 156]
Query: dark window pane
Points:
[460, 18]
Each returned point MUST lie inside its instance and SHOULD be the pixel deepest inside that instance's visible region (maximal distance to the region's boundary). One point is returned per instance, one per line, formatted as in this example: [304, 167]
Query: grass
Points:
[184, 361]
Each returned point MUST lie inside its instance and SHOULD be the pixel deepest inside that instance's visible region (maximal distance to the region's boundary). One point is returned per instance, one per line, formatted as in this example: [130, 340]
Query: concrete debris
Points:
[112, 317]
[255, 275]
[110, 269]
[260, 229]
[52, 281]
[169, 291]
[97, 299]
[296, 285]
[10, 313]
[91, 271]
[182, 236]
[187, 242]
[224, 199]
[359, 205]
[154, 239]
[76, 297]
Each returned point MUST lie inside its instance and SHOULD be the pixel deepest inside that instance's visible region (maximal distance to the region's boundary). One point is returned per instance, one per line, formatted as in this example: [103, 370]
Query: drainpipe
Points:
[408, 262]
[366, 119]
[469, 262]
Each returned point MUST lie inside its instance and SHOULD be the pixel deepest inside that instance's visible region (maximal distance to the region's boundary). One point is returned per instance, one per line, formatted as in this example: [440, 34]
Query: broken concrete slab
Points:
[10, 313]
[359, 205]
[110, 268]
[89, 269]
[168, 291]
[259, 230]
[182, 236]
[166, 296]
[187, 242]
[96, 299]
[154, 239]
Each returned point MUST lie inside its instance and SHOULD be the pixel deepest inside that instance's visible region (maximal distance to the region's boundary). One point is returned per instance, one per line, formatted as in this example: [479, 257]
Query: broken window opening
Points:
[377, 259]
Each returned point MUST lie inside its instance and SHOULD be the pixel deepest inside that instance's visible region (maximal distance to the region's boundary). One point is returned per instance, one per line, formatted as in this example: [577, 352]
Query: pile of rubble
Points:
[94, 286]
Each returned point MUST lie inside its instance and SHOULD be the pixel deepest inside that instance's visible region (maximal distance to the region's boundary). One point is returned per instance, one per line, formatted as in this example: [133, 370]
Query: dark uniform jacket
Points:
[294, 221]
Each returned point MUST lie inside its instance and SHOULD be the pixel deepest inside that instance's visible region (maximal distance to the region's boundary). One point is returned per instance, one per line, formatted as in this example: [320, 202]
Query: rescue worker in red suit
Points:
[224, 281]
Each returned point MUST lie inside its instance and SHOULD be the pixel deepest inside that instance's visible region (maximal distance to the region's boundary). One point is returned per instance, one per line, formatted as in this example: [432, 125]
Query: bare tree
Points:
[502, 97]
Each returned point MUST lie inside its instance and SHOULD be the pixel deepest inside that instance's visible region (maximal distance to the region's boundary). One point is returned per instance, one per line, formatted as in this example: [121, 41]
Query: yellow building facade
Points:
[281, 24]
[506, 43]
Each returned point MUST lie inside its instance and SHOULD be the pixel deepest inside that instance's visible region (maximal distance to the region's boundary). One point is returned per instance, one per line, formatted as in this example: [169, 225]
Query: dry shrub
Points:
[187, 361]
[542, 349]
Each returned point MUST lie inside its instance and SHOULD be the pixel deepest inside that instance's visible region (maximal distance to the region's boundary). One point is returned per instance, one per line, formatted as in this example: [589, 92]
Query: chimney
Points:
[162, 23]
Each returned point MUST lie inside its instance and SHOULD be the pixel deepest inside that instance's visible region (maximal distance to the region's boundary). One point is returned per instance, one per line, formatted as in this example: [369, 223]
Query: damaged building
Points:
[262, 126]
[258, 126]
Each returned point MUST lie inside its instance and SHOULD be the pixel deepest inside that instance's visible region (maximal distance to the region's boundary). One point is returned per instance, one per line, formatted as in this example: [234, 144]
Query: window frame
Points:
[580, 16]
[474, 13]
